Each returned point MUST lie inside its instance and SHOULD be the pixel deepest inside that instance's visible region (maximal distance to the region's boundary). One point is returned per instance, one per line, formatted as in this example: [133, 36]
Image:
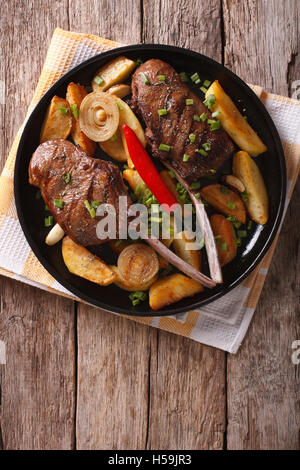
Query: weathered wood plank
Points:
[37, 383]
[113, 353]
[262, 41]
[187, 381]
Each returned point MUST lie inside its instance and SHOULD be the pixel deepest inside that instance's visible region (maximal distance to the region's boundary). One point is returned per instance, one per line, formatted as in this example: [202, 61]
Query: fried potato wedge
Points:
[171, 289]
[128, 117]
[182, 248]
[115, 71]
[120, 90]
[74, 96]
[234, 183]
[114, 148]
[134, 180]
[58, 120]
[121, 282]
[224, 200]
[225, 238]
[83, 263]
[257, 202]
[234, 123]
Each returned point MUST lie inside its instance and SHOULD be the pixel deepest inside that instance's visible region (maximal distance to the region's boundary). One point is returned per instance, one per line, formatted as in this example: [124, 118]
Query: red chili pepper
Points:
[147, 170]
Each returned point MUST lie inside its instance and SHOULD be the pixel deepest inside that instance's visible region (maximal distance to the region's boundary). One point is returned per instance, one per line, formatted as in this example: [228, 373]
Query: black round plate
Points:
[31, 212]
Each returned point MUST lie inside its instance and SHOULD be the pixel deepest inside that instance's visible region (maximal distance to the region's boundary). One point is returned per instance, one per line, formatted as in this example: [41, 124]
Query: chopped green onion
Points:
[196, 118]
[95, 204]
[186, 157]
[244, 195]
[161, 78]
[224, 246]
[137, 297]
[203, 89]
[206, 146]
[210, 101]
[88, 88]
[214, 125]
[67, 178]
[195, 185]
[184, 76]
[145, 78]
[48, 221]
[113, 138]
[155, 219]
[46, 207]
[224, 189]
[90, 209]
[192, 138]
[197, 195]
[119, 106]
[126, 167]
[202, 152]
[206, 83]
[216, 113]
[230, 205]
[249, 226]
[165, 147]
[118, 243]
[98, 80]
[217, 237]
[238, 242]
[189, 101]
[198, 81]
[75, 110]
[59, 203]
[242, 233]
[237, 223]
[171, 173]
[195, 77]
[162, 112]
[63, 110]
[138, 62]
[203, 117]
[213, 171]
[245, 117]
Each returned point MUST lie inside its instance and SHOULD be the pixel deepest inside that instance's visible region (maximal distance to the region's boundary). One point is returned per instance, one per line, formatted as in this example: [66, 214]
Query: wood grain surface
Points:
[77, 377]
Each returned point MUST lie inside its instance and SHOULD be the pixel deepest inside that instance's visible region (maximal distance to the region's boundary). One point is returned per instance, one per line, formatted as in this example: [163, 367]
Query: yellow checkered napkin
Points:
[223, 323]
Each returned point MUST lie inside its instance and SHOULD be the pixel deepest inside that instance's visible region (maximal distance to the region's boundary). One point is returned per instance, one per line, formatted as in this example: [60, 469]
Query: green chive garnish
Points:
[171, 173]
[203, 117]
[138, 62]
[59, 203]
[90, 209]
[224, 246]
[145, 78]
[249, 226]
[162, 112]
[206, 146]
[216, 113]
[238, 242]
[63, 110]
[196, 118]
[186, 157]
[165, 147]
[119, 106]
[48, 221]
[67, 178]
[202, 152]
[203, 89]
[242, 233]
[217, 237]
[195, 77]
[197, 195]
[75, 110]
[206, 83]
[230, 205]
[214, 125]
[184, 76]
[95, 204]
[244, 195]
[189, 101]
[98, 80]
[137, 297]
[210, 101]
[213, 171]
[195, 185]
[161, 78]
[192, 138]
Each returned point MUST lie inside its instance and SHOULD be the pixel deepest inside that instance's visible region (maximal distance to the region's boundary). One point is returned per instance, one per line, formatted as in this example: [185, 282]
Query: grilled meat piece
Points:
[174, 128]
[64, 172]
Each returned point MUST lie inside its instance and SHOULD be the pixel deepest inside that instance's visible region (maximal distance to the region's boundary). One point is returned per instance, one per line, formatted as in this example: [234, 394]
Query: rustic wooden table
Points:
[79, 378]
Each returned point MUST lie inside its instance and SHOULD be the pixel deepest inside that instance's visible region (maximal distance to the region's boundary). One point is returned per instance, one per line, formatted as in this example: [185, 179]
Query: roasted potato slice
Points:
[121, 282]
[83, 263]
[234, 183]
[225, 238]
[134, 180]
[74, 96]
[224, 200]
[256, 201]
[128, 117]
[115, 71]
[234, 123]
[58, 120]
[182, 249]
[114, 148]
[171, 289]
[120, 90]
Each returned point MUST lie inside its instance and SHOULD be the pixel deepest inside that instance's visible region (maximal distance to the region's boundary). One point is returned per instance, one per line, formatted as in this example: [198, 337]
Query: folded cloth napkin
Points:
[221, 324]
